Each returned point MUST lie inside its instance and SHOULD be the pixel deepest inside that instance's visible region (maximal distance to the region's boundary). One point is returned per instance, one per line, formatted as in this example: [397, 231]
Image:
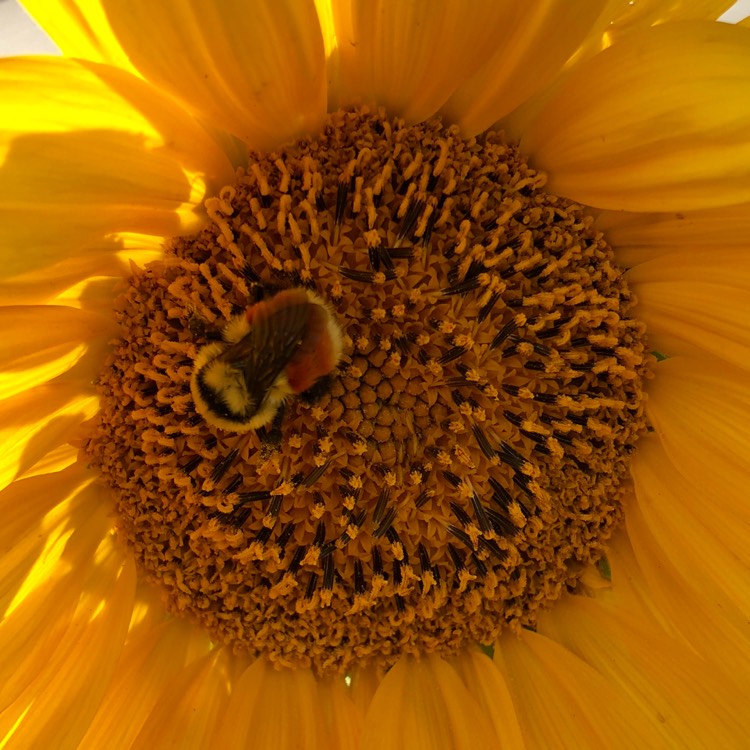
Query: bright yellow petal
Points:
[564, 703]
[56, 708]
[188, 711]
[257, 71]
[696, 300]
[80, 28]
[148, 664]
[531, 44]
[652, 12]
[657, 122]
[40, 342]
[486, 686]
[688, 702]
[410, 56]
[422, 704]
[88, 150]
[35, 422]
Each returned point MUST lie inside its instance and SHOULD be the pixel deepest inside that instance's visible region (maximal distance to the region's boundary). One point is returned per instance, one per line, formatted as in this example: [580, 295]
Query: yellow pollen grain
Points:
[459, 468]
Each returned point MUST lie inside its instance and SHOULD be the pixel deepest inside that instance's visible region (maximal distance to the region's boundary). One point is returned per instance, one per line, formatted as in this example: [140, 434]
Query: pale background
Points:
[20, 36]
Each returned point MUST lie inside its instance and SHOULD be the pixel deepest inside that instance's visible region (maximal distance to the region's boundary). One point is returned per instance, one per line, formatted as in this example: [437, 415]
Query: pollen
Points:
[463, 464]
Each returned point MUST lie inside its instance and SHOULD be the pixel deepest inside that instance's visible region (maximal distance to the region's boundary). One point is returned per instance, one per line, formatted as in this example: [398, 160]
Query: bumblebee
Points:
[276, 349]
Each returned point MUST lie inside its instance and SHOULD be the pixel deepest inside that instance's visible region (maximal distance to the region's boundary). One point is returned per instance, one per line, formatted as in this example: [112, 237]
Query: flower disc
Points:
[462, 464]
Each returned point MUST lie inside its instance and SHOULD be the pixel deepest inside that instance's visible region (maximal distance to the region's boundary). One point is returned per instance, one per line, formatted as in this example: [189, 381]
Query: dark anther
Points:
[385, 493]
[312, 582]
[463, 287]
[410, 219]
[384, 527]
[359, 578]
[514, 419]
[296, 560]
[190, 466]
[454, 479]
[285, 536]
[487, 308]
[480, 566]
[377, 562]
[463, 517]
[458, 561]
[511, 456]
[328, 573]
[461, 535]
[509, 328]
[254, 497]
[315, 474]
[479, 512]
[452, 353]
[263, 535]
[484, 444]
[423, 497]
[223, 466]
[234, 483]
[501, 496]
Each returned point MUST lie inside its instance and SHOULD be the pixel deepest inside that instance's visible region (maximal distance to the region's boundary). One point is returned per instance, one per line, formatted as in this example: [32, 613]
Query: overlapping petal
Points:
[88, 150]
[657, 122]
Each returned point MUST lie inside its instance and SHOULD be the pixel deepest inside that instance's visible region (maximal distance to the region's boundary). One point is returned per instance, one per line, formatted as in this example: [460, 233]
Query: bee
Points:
[277, 348]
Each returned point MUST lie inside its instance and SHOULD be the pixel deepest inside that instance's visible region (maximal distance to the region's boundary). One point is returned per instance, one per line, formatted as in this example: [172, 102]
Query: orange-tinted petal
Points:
[696, 299]
[272, 708]
[487, 687]
[657, 122]
[411, 56]
[148, 664]
[256, 71]
[562, 702]
[531, 44]
[88, 150]
[187, 714]
[686, 700]
[423, 704]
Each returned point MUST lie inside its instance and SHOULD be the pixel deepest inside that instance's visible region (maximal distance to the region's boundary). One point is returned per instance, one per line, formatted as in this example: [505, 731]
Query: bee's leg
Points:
[270, 435]
[314, 393]
[201, 330]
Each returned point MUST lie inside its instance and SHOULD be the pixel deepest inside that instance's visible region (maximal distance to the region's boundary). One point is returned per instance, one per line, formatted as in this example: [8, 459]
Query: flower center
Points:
[459, 467]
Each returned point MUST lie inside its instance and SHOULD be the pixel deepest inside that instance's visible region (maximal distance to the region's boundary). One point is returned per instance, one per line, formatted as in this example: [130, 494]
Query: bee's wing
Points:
[268, 346]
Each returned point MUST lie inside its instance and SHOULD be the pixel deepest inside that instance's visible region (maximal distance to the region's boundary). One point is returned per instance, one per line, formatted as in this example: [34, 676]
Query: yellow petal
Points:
[687, 701]
[698, 299]
[88, 150]
[41, 341]
[45, 568]
[657, 122]
[147, 666]
[57, 707]
[35, 422]
[36, 516]
[411, 56]
[700, 411]
[564, 703]
[341, 716]
[257, 71]
[715, 227]
[486, 686]
[708, 621]
[531, 44]
[364, 685]
[186, 715]
[80, 28]
[283, 709]
[652, 12]
[422, 704]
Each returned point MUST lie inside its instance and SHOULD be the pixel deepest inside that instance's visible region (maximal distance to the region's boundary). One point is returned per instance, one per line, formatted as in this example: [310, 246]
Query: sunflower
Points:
[511, 511]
